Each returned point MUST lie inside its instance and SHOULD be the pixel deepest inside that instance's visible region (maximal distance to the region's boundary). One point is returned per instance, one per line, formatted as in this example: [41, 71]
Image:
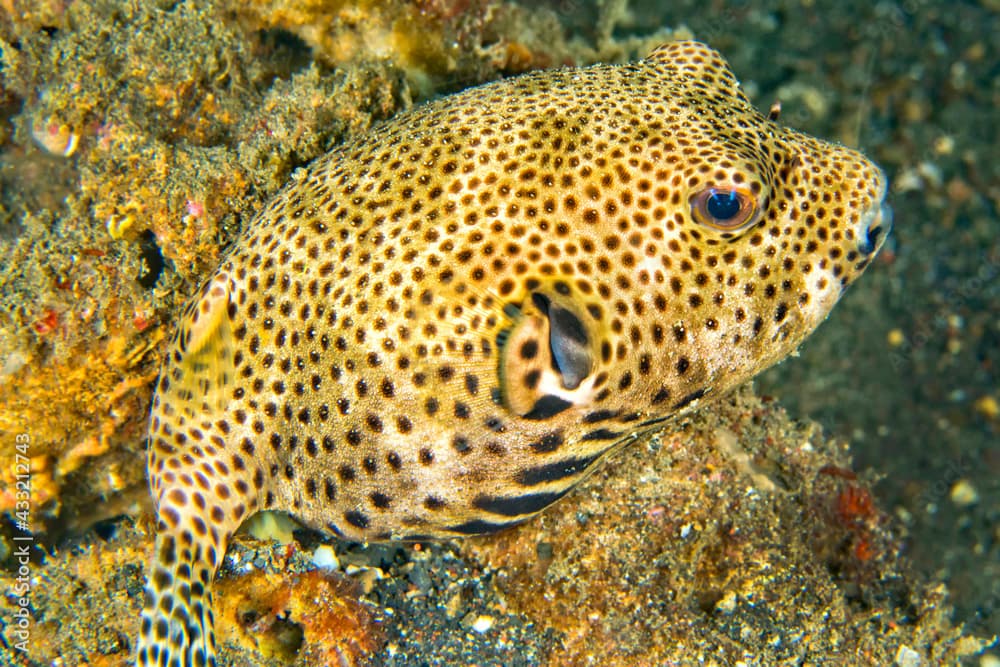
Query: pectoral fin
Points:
[545, 358]
[201, 375]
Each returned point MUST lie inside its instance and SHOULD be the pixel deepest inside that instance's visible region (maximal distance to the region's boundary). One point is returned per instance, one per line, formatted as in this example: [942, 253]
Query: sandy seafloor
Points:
[116, 151]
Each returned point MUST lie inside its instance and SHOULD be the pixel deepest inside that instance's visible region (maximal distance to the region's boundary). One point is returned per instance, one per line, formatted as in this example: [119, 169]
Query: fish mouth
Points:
[876, 222]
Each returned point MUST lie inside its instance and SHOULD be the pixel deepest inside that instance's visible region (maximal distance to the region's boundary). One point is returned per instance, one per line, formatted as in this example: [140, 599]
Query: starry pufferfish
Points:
[444, 325]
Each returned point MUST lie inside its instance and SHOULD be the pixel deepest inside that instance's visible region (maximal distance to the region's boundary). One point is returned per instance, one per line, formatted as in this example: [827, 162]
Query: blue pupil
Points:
[723, 205]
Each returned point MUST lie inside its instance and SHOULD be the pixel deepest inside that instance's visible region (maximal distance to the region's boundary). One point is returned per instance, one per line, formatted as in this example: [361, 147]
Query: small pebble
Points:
[482, 624]
[907, 657]
[909, 180]
[324, 557]
[944, 145]
[989, 660]
[727, 604]
[368, 577]
[454, 605]
[988, 407]
[930, 173]
[963, 494]
[420, 578]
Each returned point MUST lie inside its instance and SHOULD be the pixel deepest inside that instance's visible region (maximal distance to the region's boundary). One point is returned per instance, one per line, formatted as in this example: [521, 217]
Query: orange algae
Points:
[314, 616]
[77, 411]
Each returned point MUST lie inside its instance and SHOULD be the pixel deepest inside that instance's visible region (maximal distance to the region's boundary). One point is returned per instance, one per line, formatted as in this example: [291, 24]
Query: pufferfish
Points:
[445, 324]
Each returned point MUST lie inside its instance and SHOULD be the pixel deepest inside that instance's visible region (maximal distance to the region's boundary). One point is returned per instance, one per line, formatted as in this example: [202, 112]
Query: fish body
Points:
[445, 324]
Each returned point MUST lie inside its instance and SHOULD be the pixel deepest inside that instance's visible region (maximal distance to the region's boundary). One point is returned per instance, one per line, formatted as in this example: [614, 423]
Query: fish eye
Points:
[727, 209]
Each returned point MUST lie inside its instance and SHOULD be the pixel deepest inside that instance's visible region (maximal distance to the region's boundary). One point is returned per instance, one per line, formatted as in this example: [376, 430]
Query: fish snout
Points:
[876, 223]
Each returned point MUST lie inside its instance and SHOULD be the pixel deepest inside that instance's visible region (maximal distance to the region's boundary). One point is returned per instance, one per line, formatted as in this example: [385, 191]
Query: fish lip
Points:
[876, 223]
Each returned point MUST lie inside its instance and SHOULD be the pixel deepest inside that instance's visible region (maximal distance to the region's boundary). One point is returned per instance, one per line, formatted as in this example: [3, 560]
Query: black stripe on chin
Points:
[690, 398]
[546, 407]
[480, 527]
[551, 472]
[603, 434]
[517, 505]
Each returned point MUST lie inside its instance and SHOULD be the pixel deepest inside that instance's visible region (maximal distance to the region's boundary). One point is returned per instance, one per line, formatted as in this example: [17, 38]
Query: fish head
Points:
[708, 241]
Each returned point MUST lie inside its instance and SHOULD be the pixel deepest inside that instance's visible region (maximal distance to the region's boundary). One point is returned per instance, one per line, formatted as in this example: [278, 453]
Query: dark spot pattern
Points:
[504, 285]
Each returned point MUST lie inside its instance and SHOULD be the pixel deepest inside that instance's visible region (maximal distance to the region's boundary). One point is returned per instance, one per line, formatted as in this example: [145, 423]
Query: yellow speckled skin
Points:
[445, 324]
